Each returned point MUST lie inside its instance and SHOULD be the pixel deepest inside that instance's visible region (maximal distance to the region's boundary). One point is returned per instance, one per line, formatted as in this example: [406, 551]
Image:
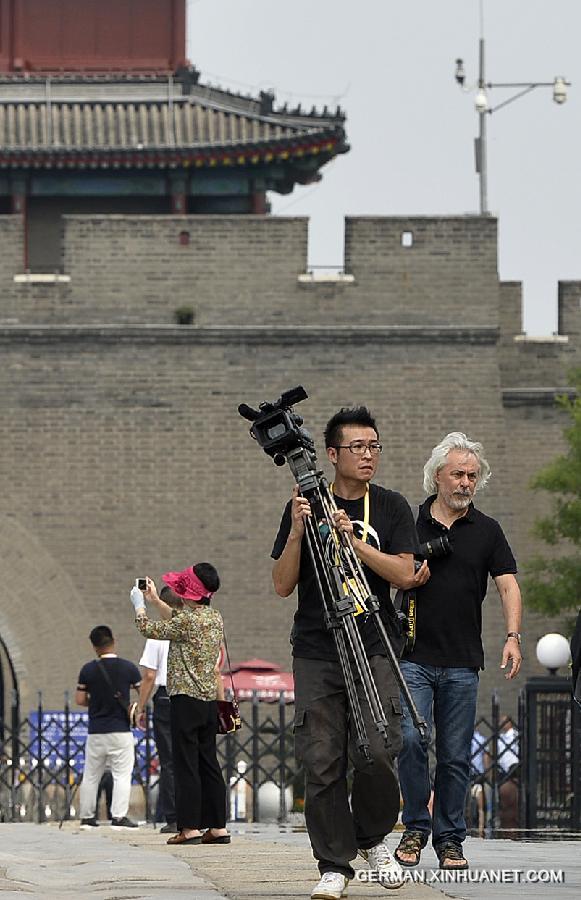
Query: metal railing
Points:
[552, 742]
[42, 758]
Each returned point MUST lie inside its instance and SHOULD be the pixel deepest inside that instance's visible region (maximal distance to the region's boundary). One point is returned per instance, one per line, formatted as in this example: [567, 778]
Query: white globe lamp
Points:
[553, 652]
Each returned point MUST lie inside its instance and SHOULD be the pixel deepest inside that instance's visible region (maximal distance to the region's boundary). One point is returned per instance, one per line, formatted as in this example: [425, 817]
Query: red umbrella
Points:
[263, 677]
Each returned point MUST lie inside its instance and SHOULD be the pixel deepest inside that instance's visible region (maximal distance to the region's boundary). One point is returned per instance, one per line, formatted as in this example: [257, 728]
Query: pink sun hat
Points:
[187, 585]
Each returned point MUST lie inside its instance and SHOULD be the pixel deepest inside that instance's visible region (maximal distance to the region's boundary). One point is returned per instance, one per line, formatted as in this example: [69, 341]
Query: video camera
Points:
[277, 428]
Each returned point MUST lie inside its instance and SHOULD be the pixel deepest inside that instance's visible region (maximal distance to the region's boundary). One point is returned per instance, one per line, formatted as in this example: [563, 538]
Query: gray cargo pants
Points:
[324, 746]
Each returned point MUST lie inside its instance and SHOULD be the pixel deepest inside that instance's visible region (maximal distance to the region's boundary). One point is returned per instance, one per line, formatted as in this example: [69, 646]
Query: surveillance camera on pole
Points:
[484, 109]
[560, 90]
[481, 102]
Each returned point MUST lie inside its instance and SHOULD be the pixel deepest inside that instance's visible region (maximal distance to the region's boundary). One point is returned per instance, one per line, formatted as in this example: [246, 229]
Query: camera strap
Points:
[365, 510]
[115, 691]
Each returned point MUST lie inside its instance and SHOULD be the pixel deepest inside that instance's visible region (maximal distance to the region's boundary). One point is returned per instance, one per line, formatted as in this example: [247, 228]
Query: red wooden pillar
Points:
[179, 197]
[20, 208]
[178, 203]
[258, 203]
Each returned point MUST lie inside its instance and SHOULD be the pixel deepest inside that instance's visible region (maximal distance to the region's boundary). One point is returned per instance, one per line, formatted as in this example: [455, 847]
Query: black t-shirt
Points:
[391, 530]
[106, 714]
[449, 605]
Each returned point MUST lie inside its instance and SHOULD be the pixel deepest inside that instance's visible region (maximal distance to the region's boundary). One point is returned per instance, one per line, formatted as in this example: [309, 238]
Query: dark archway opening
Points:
[9, 691]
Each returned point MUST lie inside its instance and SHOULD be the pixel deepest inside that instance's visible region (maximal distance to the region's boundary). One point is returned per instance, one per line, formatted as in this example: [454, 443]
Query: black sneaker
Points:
[170, 828]
[89, 823]
[123, 823]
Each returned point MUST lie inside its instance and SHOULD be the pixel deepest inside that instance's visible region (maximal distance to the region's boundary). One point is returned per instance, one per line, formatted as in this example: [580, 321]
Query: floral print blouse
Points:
[195, 636]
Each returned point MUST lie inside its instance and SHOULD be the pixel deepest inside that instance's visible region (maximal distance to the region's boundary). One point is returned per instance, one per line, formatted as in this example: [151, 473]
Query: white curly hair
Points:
[456, 440]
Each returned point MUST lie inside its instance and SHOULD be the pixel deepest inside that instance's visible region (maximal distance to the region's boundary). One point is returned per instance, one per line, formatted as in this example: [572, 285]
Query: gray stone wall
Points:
[425, 283]
[570, 313]
[528, 362]
[234, 270]
[242, 270]
[122, 451]
[124, 454]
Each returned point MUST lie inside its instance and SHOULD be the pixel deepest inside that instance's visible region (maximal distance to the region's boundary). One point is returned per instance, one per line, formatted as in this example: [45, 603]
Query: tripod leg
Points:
[368, 684]
[419, 723]
[68, 806]
[316, 552]
[375, 795]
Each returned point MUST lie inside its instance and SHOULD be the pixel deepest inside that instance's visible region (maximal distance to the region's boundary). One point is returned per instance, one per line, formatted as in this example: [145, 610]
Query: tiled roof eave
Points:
[197, 156]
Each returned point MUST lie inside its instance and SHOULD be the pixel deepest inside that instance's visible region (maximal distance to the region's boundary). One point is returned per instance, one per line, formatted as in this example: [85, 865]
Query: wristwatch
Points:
[513, 634]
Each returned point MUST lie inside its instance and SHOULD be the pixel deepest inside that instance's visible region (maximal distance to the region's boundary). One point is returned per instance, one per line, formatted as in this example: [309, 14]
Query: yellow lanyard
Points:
[353, 582]
[365, 511]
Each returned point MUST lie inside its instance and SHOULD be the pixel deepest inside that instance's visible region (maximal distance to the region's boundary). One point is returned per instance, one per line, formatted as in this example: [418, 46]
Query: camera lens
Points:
[438, 547]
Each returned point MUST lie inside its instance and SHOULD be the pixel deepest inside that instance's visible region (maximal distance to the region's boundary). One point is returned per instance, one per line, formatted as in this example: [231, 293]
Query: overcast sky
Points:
[390, 65]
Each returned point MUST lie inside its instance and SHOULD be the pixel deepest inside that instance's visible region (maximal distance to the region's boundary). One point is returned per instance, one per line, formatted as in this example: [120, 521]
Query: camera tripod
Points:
[345, 592]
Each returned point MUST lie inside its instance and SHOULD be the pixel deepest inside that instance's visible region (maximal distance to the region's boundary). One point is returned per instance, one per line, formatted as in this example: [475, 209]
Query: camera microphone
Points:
[247, 412]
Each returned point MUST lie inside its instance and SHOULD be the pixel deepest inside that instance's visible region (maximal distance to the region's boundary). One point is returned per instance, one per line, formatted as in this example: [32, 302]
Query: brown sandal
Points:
[412, 843]
[209, 838]
[182, 839]
[450, 852]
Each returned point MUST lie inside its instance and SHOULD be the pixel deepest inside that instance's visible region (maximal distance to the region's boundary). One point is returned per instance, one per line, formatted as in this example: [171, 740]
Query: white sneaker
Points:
[380, 859]
[332, 886]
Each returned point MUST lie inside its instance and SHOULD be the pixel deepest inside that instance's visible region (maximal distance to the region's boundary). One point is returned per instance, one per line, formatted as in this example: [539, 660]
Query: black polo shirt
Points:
[449, 605]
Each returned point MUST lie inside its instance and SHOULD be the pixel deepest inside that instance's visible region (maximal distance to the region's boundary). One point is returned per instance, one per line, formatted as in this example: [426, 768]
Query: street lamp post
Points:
[559, 86]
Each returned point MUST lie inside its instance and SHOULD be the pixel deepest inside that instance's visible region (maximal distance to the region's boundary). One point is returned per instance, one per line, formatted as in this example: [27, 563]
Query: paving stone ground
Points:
[263, 861]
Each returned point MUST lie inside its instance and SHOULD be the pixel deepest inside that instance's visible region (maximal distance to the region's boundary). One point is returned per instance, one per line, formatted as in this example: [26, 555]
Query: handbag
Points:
[229, 719]
[228, 716]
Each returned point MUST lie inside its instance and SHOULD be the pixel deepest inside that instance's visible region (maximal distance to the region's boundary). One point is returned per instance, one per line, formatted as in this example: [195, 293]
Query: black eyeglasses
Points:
[358, 448]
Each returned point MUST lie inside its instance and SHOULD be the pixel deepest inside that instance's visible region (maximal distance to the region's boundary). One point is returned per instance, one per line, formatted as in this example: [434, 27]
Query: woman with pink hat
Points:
[195, 633]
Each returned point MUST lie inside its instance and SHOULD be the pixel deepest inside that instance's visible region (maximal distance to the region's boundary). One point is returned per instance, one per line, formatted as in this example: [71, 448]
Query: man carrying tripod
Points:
[380, 526]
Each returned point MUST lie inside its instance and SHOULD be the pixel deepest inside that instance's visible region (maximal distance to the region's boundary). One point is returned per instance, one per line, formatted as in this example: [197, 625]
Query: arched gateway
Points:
[40, 614]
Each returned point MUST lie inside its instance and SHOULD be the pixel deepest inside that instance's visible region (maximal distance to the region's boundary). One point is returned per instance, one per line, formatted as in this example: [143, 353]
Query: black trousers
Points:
[162, 733]
[324, 745]
[199, 787]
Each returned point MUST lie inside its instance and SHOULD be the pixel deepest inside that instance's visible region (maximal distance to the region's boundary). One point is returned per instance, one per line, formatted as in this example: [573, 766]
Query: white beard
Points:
[457, 501]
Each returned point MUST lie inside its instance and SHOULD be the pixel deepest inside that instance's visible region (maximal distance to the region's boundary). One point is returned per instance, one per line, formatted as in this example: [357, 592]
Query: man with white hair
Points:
[441, 669]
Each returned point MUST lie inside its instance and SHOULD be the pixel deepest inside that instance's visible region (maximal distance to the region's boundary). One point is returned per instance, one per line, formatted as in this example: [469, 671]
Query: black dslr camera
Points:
[277, 428]
[440, 546]
[405, 601]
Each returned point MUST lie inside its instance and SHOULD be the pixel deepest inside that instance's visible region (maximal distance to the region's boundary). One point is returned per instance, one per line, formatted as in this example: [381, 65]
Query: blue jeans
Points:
[446, 698]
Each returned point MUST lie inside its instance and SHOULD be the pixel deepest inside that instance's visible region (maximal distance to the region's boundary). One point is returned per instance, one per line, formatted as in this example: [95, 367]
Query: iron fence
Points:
[42, 755]
[552, 753]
